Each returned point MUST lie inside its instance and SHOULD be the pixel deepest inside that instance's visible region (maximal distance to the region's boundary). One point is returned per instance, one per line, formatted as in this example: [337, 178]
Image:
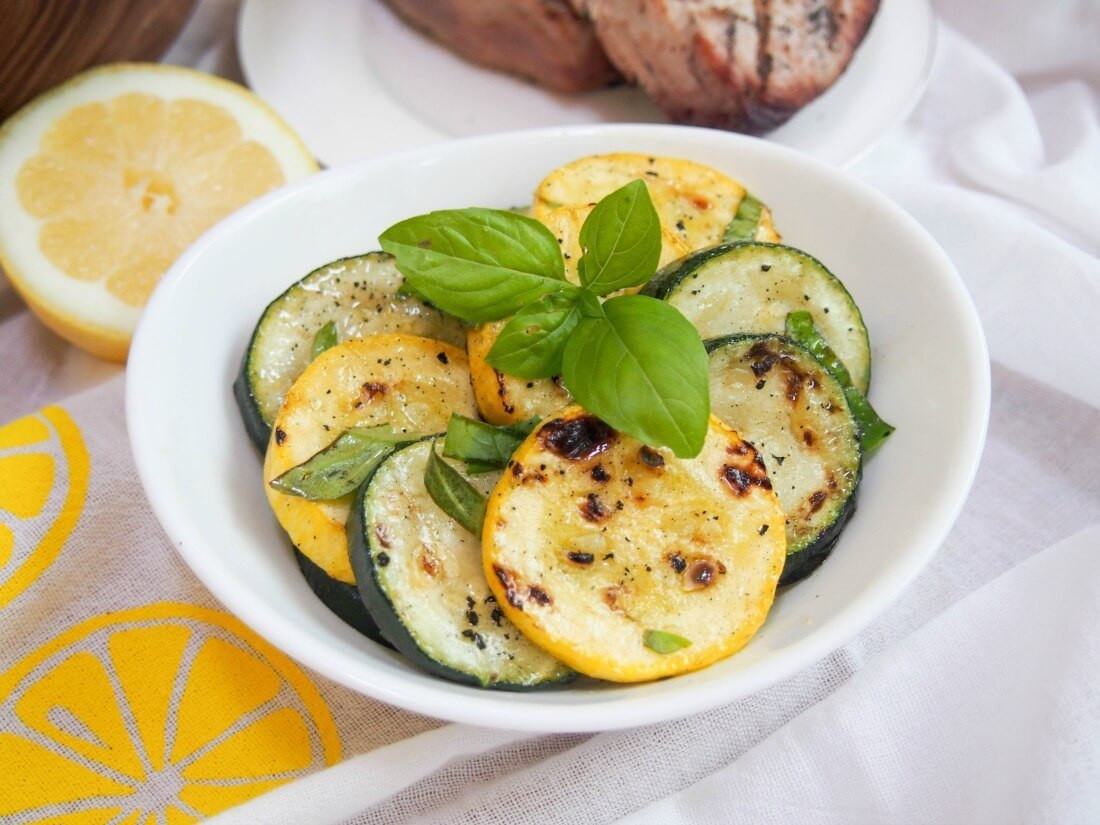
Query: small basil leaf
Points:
[621, 239]
[743, 225]
[479, 443]
[477, 468]
[531, 344]
[454, 495]
[325, 338]
[476, 264]
[523, 428]
[337, 469]
[661, 641]
[872, 429]
[643, 369]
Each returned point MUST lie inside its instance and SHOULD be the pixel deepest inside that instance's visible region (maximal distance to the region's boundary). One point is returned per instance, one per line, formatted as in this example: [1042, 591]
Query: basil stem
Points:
[341, 466]
[326, 338]
[743, 225]
[455, 495]
[661, 641]
[482, 446]
[872, 429]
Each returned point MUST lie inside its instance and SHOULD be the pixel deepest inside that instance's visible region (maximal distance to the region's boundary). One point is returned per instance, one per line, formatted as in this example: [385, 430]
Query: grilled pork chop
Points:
[745, 65]
[544, 41]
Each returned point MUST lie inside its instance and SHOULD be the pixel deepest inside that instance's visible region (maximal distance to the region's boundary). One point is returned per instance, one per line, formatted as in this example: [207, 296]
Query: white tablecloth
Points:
[975, 698]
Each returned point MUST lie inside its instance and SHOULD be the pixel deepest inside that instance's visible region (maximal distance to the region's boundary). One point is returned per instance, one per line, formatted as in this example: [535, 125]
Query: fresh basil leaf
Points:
[325, 338]
[475, 468]
[621, 239]
[661, 641]
[872, 429]
[743, 225]
[455, 495]
[479, 443]
[340, 467]
[642, 368]
[477, 264]
[531, 344]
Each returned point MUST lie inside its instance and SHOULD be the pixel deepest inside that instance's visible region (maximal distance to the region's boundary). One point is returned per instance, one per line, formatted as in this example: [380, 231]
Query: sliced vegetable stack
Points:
[633, 497]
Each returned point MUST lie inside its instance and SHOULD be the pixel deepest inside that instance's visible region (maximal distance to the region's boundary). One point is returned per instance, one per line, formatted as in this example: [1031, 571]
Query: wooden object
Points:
[44, 42]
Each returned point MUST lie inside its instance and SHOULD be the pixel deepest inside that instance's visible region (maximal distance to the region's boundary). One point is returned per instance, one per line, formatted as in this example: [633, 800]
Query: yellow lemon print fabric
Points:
[166, 713]
[43, 484]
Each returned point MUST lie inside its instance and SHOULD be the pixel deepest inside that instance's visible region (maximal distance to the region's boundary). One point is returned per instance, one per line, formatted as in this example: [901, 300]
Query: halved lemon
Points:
[106, 179]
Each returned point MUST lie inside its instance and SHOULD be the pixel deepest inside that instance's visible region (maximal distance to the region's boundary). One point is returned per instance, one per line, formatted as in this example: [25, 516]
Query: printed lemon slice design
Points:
[169, 712]
[105, 180]
[43, 484]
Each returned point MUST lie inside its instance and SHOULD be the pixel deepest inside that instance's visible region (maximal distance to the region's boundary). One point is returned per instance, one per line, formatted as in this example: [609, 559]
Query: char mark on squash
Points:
[507, 580]
[577, 439]
[502, 393]
[538, 595]
[741, 480]
[373, 389]
[594, 509]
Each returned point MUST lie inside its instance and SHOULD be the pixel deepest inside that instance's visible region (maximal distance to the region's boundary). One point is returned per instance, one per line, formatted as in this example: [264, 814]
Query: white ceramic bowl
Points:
[202, 476]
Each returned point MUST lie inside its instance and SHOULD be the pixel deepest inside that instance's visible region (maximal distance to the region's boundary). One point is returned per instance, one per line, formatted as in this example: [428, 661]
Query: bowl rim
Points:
[491, 708]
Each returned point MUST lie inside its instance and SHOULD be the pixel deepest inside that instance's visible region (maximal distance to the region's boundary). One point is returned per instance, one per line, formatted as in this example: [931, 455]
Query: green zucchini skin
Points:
[750, 287]
[777, 396]
[366, 552]
[341, 598]
[363, 295]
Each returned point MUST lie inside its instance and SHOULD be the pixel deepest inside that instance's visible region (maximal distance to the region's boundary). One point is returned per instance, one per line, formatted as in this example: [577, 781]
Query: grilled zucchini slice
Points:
[421, 577]
[341, 598]
[751, 288]
[696, 202]
[595, 544]
[409, 383]
[777, 395]
[361, 295]
[505, 399]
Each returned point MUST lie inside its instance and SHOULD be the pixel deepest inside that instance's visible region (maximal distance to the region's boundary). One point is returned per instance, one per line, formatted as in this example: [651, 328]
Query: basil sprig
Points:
[326, 338]
[482, 446]
[634, 362]
[872, 429]
[454, 495]
[341, 466]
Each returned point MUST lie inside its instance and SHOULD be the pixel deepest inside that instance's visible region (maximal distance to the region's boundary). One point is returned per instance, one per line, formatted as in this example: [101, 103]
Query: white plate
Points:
[355, 82]
[203, 476]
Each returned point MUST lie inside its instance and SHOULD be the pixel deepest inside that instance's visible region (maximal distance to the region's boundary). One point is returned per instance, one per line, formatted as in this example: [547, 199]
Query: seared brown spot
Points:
[502, 393]
[593, 508]
[808, 437]
[650, 457]
[538, 595]
[701, 574]
[739, 480]
[280, 436]
[600, 474]
[611, 596]
[580, 558]
[701, 203]
[763, 358]
[794, 387]
[443, 359]
[576, 438]
[507, 580]
[740, 448]
[517, 468]
[816, 500]
[677, 562]
[382, 536]
[372, 389]
[429, 563]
